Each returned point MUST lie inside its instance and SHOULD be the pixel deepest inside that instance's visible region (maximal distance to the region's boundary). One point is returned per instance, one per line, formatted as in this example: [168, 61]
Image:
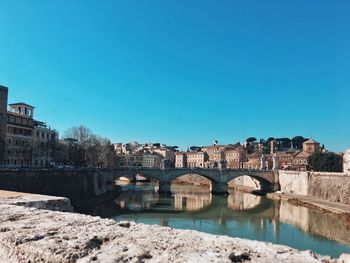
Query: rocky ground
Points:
[37, 235]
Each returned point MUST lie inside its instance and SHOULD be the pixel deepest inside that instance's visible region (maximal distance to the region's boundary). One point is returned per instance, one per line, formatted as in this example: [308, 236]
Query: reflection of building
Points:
[300, 159]
[28, 143]
[189, 202]
[243, 201]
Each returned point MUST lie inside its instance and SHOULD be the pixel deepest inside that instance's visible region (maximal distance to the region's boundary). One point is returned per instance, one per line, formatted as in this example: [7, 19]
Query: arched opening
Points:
[250, 183]
[192, 179]
[123, 180]
[244, 183]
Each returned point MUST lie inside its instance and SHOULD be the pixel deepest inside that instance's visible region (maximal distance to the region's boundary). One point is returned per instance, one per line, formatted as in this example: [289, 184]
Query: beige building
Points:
[215, 152]
[346, 163]
[235, 158]
[285, 159]
[180, 160]
[166, 153]
[131, 160]
[300, 159]
[44, 140]
[253, 161]
[118, 148]
[28, 142]
[196, 159]
[151, 160]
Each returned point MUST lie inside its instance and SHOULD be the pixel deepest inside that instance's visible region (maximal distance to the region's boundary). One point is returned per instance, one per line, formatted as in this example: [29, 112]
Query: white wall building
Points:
[151, 160]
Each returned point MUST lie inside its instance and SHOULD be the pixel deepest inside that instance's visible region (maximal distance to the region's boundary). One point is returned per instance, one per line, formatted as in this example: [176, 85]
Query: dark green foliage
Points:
[195, 148]
[326, 162]
[251, 139]
[298, 142]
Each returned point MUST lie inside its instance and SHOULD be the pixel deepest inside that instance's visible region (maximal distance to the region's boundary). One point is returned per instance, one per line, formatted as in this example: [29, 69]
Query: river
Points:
[238, 215]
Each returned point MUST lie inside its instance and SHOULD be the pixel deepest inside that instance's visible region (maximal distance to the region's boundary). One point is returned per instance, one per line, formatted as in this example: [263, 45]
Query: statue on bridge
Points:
[166, 164]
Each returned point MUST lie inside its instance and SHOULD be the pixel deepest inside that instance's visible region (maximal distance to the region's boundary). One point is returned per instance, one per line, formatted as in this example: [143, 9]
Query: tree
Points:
[86, 149]
[326, 162]
[298, 142]
[80, 133]
[195, 148]
[283, 143]
[251, 139]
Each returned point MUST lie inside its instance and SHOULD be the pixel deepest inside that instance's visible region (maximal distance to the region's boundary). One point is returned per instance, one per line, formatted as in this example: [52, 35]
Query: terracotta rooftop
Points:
[310, 141]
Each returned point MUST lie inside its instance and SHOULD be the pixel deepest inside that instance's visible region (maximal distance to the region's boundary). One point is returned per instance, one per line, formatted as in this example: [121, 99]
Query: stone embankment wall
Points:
[80, 186]
[333, 187]
[294, 182]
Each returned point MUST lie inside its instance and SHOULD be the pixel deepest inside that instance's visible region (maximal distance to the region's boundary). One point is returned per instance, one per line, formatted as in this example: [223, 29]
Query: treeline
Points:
[81, 148]
[296, 142]
[326, 162]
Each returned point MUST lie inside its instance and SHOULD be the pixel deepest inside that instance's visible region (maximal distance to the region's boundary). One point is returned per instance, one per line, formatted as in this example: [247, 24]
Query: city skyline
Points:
[221, 73]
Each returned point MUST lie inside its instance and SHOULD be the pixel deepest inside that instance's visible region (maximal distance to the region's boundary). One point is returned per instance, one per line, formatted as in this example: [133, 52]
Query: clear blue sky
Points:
[182, 72]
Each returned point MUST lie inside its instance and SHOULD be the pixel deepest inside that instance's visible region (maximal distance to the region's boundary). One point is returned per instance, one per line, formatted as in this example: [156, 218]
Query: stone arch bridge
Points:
[219, 178]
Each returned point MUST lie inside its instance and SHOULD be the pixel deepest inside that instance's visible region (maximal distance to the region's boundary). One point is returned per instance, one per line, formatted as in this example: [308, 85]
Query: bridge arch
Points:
[218, 178]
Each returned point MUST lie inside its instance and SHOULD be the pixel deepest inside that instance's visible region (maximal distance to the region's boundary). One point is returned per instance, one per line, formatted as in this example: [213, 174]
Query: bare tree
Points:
[90, 150]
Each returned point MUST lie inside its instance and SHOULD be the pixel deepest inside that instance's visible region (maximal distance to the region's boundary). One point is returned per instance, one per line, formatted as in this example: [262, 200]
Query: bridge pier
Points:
[164, 188]
[220, 188]
[269, 188]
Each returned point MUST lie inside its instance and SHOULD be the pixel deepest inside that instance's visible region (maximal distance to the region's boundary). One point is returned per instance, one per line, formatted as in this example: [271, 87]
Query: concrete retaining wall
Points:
[78, 185]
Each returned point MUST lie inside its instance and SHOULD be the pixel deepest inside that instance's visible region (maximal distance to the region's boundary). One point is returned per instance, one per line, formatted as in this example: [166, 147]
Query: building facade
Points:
[166, 153]
[180, 160]
[346, 162]
[196, 159]
[151, 160]
[3, 120]
[28, 142]
[235, 158]
[300, 159]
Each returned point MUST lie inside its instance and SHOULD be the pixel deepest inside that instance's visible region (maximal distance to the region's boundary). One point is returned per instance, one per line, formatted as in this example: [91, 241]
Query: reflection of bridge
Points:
[219, 178]
[215, 207]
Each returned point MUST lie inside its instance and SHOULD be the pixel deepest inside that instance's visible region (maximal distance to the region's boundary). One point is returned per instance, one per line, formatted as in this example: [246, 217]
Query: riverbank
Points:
[31, 234]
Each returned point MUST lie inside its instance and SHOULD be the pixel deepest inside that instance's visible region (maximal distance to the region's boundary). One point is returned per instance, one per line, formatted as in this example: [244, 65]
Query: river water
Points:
[238, 215]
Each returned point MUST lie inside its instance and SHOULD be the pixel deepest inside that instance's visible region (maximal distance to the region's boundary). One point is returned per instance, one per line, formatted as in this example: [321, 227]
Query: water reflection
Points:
[239, 215]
